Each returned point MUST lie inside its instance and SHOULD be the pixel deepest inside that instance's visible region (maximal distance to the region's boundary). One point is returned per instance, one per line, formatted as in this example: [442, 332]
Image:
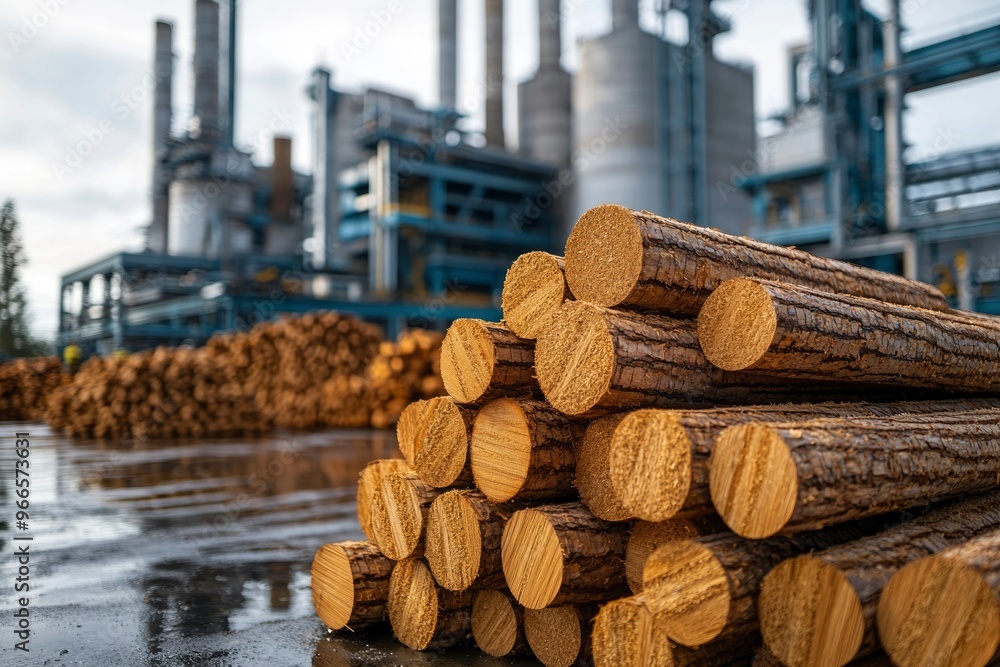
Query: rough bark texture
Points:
[765, 658]
[369, 574]
[848, 469]
[682, 264]
[651, 361]
[869, 563]
[637, 470]
[840, 338]
[735, 646]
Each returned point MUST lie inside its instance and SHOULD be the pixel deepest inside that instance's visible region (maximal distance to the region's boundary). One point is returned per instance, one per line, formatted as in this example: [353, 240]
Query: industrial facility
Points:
[409, 220]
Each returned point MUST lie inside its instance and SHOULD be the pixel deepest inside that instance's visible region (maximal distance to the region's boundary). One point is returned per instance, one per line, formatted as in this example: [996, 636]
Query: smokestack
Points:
[323, 209]
[447, 52]
[282, 181]
[231, 75]
[494, 73]
[624, 14]
[205, 122]
[163, 68]
[549, 38]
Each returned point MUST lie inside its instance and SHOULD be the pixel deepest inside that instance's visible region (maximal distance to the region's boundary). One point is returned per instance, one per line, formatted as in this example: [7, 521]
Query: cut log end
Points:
[575, 358]
[494, 623]
[454, 541]
[555, 635]
[368, 483]
[753, 480]
[651, 464]
[467, 360]
[593, 467]
[407, 428]
[532, 559]
[332, 586]
[626, 633]
[397, 517]
[939, 611]
[604, 255]
[737, 324]
[810, 615]
[413, 604]
[535, 287]
[646, 537]
[501, 449]
[442, 443]
[687, 588]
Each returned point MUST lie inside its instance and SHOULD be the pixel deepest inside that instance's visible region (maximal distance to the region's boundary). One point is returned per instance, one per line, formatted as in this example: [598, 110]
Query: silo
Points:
[616, 116]
[544, 102]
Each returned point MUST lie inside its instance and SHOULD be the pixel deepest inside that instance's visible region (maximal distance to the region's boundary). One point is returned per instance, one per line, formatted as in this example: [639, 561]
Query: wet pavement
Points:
[187, 552]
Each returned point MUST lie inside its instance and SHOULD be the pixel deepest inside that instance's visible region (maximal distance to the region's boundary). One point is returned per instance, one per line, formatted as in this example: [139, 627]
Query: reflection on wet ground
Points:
[189, 552]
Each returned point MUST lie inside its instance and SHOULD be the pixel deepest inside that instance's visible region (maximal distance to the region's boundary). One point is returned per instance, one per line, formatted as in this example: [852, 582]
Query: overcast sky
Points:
[74, 71]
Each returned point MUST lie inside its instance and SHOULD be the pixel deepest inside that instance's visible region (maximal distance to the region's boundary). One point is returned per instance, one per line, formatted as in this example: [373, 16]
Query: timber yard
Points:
[610, 365]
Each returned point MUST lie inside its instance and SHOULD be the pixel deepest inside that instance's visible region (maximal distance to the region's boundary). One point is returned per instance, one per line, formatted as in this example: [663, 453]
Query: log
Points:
[399, 514]
[593, 469]
[592, 361]
[523, 450]
[498, 623]
[619, 257]
[626, 632]
[560, 636]
[819, 609]
[481, 361]
[423, 615]
[442, 443]
[407, 428]
[563, 554]
[945, 609]
[658, 459]
[350, 584]
[794, 332]
[702, 586]
[368, 483]
[764, 658]
[767, 479]
[646, 537]
[463, 540]
[534, 288]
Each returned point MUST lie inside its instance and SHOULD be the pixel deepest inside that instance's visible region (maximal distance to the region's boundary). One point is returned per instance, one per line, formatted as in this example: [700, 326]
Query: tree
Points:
[15, 337]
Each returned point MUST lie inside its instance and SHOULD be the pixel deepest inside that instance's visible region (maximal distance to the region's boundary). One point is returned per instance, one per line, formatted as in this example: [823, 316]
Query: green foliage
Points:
[15, 336]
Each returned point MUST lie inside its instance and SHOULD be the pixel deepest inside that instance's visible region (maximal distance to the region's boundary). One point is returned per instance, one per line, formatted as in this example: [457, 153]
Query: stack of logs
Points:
[321, 369]
[687, 448]
[25, 386]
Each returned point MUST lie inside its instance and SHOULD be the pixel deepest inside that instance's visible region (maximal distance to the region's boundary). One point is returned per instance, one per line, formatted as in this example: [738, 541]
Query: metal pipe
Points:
[549, 37]
[205, 122]
[322, 214]
[494, 73]
[231, 103]
[163, 69]
[624, 15]
[894, 169]
[447, 53]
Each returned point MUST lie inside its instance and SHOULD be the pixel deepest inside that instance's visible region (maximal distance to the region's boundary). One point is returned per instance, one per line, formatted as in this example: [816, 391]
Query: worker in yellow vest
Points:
[72, 357]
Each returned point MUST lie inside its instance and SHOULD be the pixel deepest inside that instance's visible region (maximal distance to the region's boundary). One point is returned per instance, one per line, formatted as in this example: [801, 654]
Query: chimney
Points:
[494, 73]
[282, 182]
[549, 38]
[624, 15]
[230, 102]
[323, 209]
[163, 68]
[205, 123]
[447, 52]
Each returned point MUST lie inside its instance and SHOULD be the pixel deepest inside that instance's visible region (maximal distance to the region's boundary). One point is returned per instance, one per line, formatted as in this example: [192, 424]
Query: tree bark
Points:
[481, 361]
[523, 450]
[794, 332]
[350, 584]
[819, 609]
[534, 288]
[618, 257]
[658, 459]
[833, 470]
[563, 554]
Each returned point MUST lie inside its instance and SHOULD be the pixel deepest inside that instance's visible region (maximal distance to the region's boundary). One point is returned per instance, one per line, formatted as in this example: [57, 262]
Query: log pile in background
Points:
[26, 384]
[755, 476]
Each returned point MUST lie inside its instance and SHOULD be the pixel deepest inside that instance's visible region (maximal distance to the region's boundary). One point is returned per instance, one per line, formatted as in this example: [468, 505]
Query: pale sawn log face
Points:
[463, 540]
[399, 514]
[498, 623]
[839, 338]
[850, 578]
[534, 288]
[619, 257]
[945, 609]
[833, 470]
[422, 614]
[559, 636]
[481, 361]
[368, 483]
[350, 584]
[441, 443]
